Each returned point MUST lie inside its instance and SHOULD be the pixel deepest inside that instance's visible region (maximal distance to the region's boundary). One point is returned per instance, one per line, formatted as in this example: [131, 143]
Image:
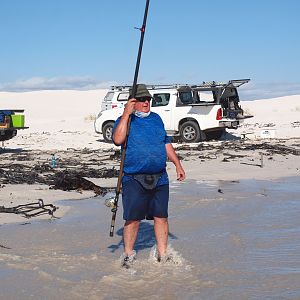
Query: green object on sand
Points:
[18, 120]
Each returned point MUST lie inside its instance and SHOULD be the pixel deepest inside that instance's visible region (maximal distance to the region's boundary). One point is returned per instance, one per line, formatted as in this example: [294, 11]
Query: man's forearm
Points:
[172, 156]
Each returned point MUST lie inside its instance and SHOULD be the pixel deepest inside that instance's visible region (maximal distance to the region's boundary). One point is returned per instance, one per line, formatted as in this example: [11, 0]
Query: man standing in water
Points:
[145, 183]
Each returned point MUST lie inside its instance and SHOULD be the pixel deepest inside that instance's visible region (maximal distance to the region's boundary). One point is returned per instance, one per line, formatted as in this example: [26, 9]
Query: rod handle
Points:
[112, 225]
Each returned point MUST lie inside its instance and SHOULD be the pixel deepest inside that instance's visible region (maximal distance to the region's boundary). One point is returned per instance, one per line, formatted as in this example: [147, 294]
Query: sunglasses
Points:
[143, 99]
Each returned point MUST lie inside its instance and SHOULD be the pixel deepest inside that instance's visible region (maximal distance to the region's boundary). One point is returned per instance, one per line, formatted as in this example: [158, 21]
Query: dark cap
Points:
[141, 91]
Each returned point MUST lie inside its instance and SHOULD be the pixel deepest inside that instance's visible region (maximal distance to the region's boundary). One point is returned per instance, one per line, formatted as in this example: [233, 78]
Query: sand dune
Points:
[55, 117]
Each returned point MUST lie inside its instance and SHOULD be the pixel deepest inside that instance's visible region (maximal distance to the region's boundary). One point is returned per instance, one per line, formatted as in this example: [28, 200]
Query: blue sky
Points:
[87, 44]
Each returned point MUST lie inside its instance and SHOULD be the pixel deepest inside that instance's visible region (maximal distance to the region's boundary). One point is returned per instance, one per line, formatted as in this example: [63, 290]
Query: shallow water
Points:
[241, 242]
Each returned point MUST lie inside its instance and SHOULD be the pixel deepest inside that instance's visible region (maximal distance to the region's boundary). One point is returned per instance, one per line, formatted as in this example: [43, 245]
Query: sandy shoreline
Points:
[206, 162]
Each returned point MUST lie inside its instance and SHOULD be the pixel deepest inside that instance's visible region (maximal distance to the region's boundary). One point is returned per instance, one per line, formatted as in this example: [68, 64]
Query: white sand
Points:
[281, 116]
[59, 120]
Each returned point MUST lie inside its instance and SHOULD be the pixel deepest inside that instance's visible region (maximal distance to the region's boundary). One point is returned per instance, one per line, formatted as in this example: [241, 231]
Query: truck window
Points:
[206, 96]
[109, 96]
[123, 97]
[230, 99]
[186, 97]
[230, 92]
[160, 99]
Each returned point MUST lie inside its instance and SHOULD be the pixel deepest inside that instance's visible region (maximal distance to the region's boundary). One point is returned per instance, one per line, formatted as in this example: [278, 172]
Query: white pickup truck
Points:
[192, 112]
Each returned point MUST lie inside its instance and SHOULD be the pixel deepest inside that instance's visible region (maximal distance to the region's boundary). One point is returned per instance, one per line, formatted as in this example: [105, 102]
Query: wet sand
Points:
[230, 239]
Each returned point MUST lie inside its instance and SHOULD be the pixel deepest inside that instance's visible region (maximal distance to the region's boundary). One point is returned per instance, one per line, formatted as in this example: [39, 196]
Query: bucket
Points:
[17, 120]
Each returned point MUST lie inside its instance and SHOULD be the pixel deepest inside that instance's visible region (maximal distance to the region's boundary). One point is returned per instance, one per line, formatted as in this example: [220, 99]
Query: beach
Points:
[233, 223]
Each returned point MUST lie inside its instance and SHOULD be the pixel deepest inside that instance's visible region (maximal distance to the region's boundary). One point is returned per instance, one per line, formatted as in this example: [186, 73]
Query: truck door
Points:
[162, 106]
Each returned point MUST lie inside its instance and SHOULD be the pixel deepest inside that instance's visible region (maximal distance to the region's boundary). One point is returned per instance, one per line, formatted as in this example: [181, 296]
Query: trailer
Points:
[11, 120]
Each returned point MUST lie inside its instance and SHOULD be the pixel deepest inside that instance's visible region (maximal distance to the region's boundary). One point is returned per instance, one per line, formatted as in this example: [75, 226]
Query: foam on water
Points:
[176, 259]
[150, 265]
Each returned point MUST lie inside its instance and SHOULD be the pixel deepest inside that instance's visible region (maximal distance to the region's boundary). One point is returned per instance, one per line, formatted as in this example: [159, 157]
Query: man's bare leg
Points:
[161, 229]
[130, 232]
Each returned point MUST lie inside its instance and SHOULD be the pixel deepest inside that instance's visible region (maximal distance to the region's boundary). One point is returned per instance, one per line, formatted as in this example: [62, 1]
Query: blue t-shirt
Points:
[146, 147]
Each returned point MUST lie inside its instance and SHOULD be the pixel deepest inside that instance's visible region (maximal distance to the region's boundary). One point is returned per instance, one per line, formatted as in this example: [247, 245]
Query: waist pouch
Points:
[148, 181]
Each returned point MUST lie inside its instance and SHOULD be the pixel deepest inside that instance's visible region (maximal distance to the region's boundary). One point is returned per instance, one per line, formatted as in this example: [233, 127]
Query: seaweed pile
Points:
[73, 169]
[242, 146]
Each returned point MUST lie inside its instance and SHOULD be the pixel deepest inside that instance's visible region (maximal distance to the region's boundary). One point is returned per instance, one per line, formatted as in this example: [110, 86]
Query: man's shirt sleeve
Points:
[115, 125]
[168, 139]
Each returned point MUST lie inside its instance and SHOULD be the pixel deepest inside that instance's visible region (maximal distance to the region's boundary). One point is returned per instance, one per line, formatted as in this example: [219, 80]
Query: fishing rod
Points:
[134, 89]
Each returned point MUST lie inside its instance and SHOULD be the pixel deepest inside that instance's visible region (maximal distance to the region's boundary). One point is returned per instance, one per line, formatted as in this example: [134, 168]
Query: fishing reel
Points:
[110, 203]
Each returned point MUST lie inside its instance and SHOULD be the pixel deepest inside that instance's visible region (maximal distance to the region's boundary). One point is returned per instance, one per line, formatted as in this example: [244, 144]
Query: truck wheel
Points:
[107, 132]
[7, 135]
[191, 133]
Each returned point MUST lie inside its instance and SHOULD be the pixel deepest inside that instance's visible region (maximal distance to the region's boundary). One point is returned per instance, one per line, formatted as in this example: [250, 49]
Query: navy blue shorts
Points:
[140, 204]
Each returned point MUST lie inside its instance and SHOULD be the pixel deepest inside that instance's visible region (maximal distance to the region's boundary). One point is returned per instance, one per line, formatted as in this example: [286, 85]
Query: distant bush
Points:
[90, 118]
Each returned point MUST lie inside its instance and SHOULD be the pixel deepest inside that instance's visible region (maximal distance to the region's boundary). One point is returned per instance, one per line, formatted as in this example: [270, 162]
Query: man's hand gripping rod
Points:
[134, 87]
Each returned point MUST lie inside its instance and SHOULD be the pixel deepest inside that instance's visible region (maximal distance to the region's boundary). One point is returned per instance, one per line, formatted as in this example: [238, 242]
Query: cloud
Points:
[55, 83]
[254, 90]
[251, 91]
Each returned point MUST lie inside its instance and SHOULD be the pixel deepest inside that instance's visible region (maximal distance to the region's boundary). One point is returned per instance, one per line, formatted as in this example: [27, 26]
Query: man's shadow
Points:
[145, 238]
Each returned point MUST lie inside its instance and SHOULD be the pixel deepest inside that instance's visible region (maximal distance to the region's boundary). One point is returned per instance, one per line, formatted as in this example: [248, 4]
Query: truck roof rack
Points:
[203, 85]
[149, 86]
[211, 84]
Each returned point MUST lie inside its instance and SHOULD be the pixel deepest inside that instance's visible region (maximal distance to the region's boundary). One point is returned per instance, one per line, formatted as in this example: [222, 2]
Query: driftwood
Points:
[30, 210]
